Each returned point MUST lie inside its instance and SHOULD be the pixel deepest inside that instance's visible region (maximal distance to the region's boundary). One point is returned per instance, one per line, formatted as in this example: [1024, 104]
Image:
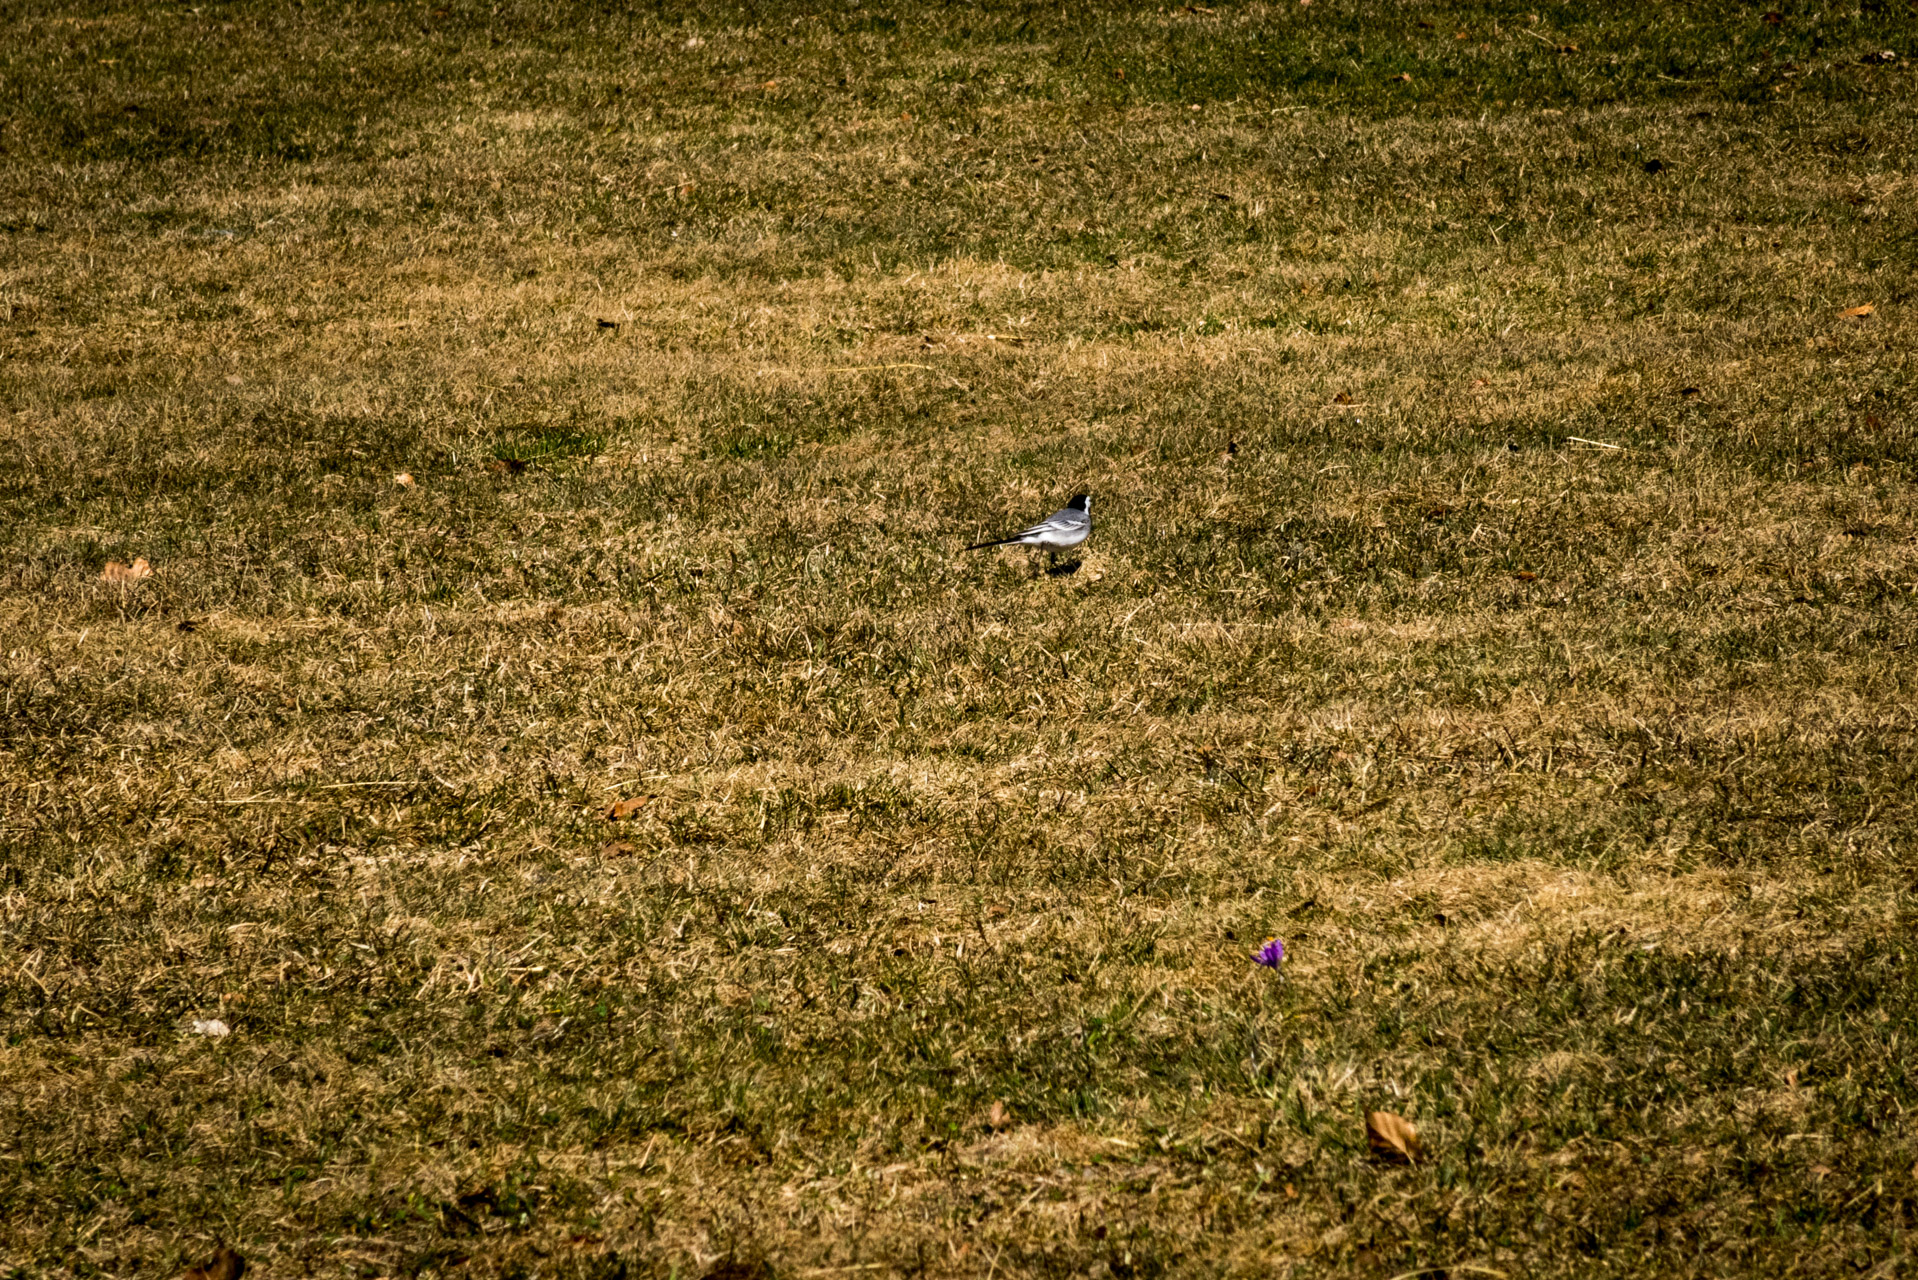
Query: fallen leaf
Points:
[618, 849]
[1392, 1137]
[210, 1027]
[127, 574]
[225, 1264]
[404, 479]
[1291, 1192]
[996, 1118]
[1526, 576]
[621, 809]
[1858, 313]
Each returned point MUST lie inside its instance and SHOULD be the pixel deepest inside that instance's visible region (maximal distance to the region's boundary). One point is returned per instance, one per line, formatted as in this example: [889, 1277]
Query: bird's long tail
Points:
[996, 542]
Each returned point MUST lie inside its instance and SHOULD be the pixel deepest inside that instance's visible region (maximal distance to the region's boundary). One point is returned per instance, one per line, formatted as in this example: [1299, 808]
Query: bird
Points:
[1066, 527]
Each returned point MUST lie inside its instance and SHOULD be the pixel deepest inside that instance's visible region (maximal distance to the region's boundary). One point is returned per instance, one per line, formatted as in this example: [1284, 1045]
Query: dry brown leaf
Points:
[996, 1117]
[621, 809]
[1392, 1137]
[404, 479]
[618, 849]
[225, 1264]
[127, 574]
[1526, 575]
[1858, 313]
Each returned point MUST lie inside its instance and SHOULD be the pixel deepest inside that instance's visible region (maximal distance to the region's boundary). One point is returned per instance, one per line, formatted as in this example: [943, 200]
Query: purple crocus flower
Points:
[1272, 954]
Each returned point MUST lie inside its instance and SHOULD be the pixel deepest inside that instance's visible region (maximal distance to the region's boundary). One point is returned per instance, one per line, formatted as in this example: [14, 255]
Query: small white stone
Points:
[211, 1027]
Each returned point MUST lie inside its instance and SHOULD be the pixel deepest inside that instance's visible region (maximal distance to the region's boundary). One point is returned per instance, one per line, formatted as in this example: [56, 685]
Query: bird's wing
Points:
[1067, 521]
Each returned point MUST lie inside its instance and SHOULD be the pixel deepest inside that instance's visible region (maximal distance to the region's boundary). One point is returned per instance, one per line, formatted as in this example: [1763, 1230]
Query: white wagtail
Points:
[1066, 527]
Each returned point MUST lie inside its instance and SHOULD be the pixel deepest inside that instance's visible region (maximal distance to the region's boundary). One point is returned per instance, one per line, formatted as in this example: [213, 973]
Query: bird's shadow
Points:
[1065, 570]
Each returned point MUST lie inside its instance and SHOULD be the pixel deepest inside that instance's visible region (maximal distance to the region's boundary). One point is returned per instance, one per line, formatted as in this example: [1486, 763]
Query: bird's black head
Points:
[1081, 502]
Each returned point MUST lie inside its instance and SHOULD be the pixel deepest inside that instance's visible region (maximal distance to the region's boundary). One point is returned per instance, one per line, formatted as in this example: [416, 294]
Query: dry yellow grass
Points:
[523, 410]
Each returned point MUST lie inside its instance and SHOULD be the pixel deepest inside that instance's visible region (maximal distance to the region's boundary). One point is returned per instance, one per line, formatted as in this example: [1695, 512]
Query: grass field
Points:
[1503, 591]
